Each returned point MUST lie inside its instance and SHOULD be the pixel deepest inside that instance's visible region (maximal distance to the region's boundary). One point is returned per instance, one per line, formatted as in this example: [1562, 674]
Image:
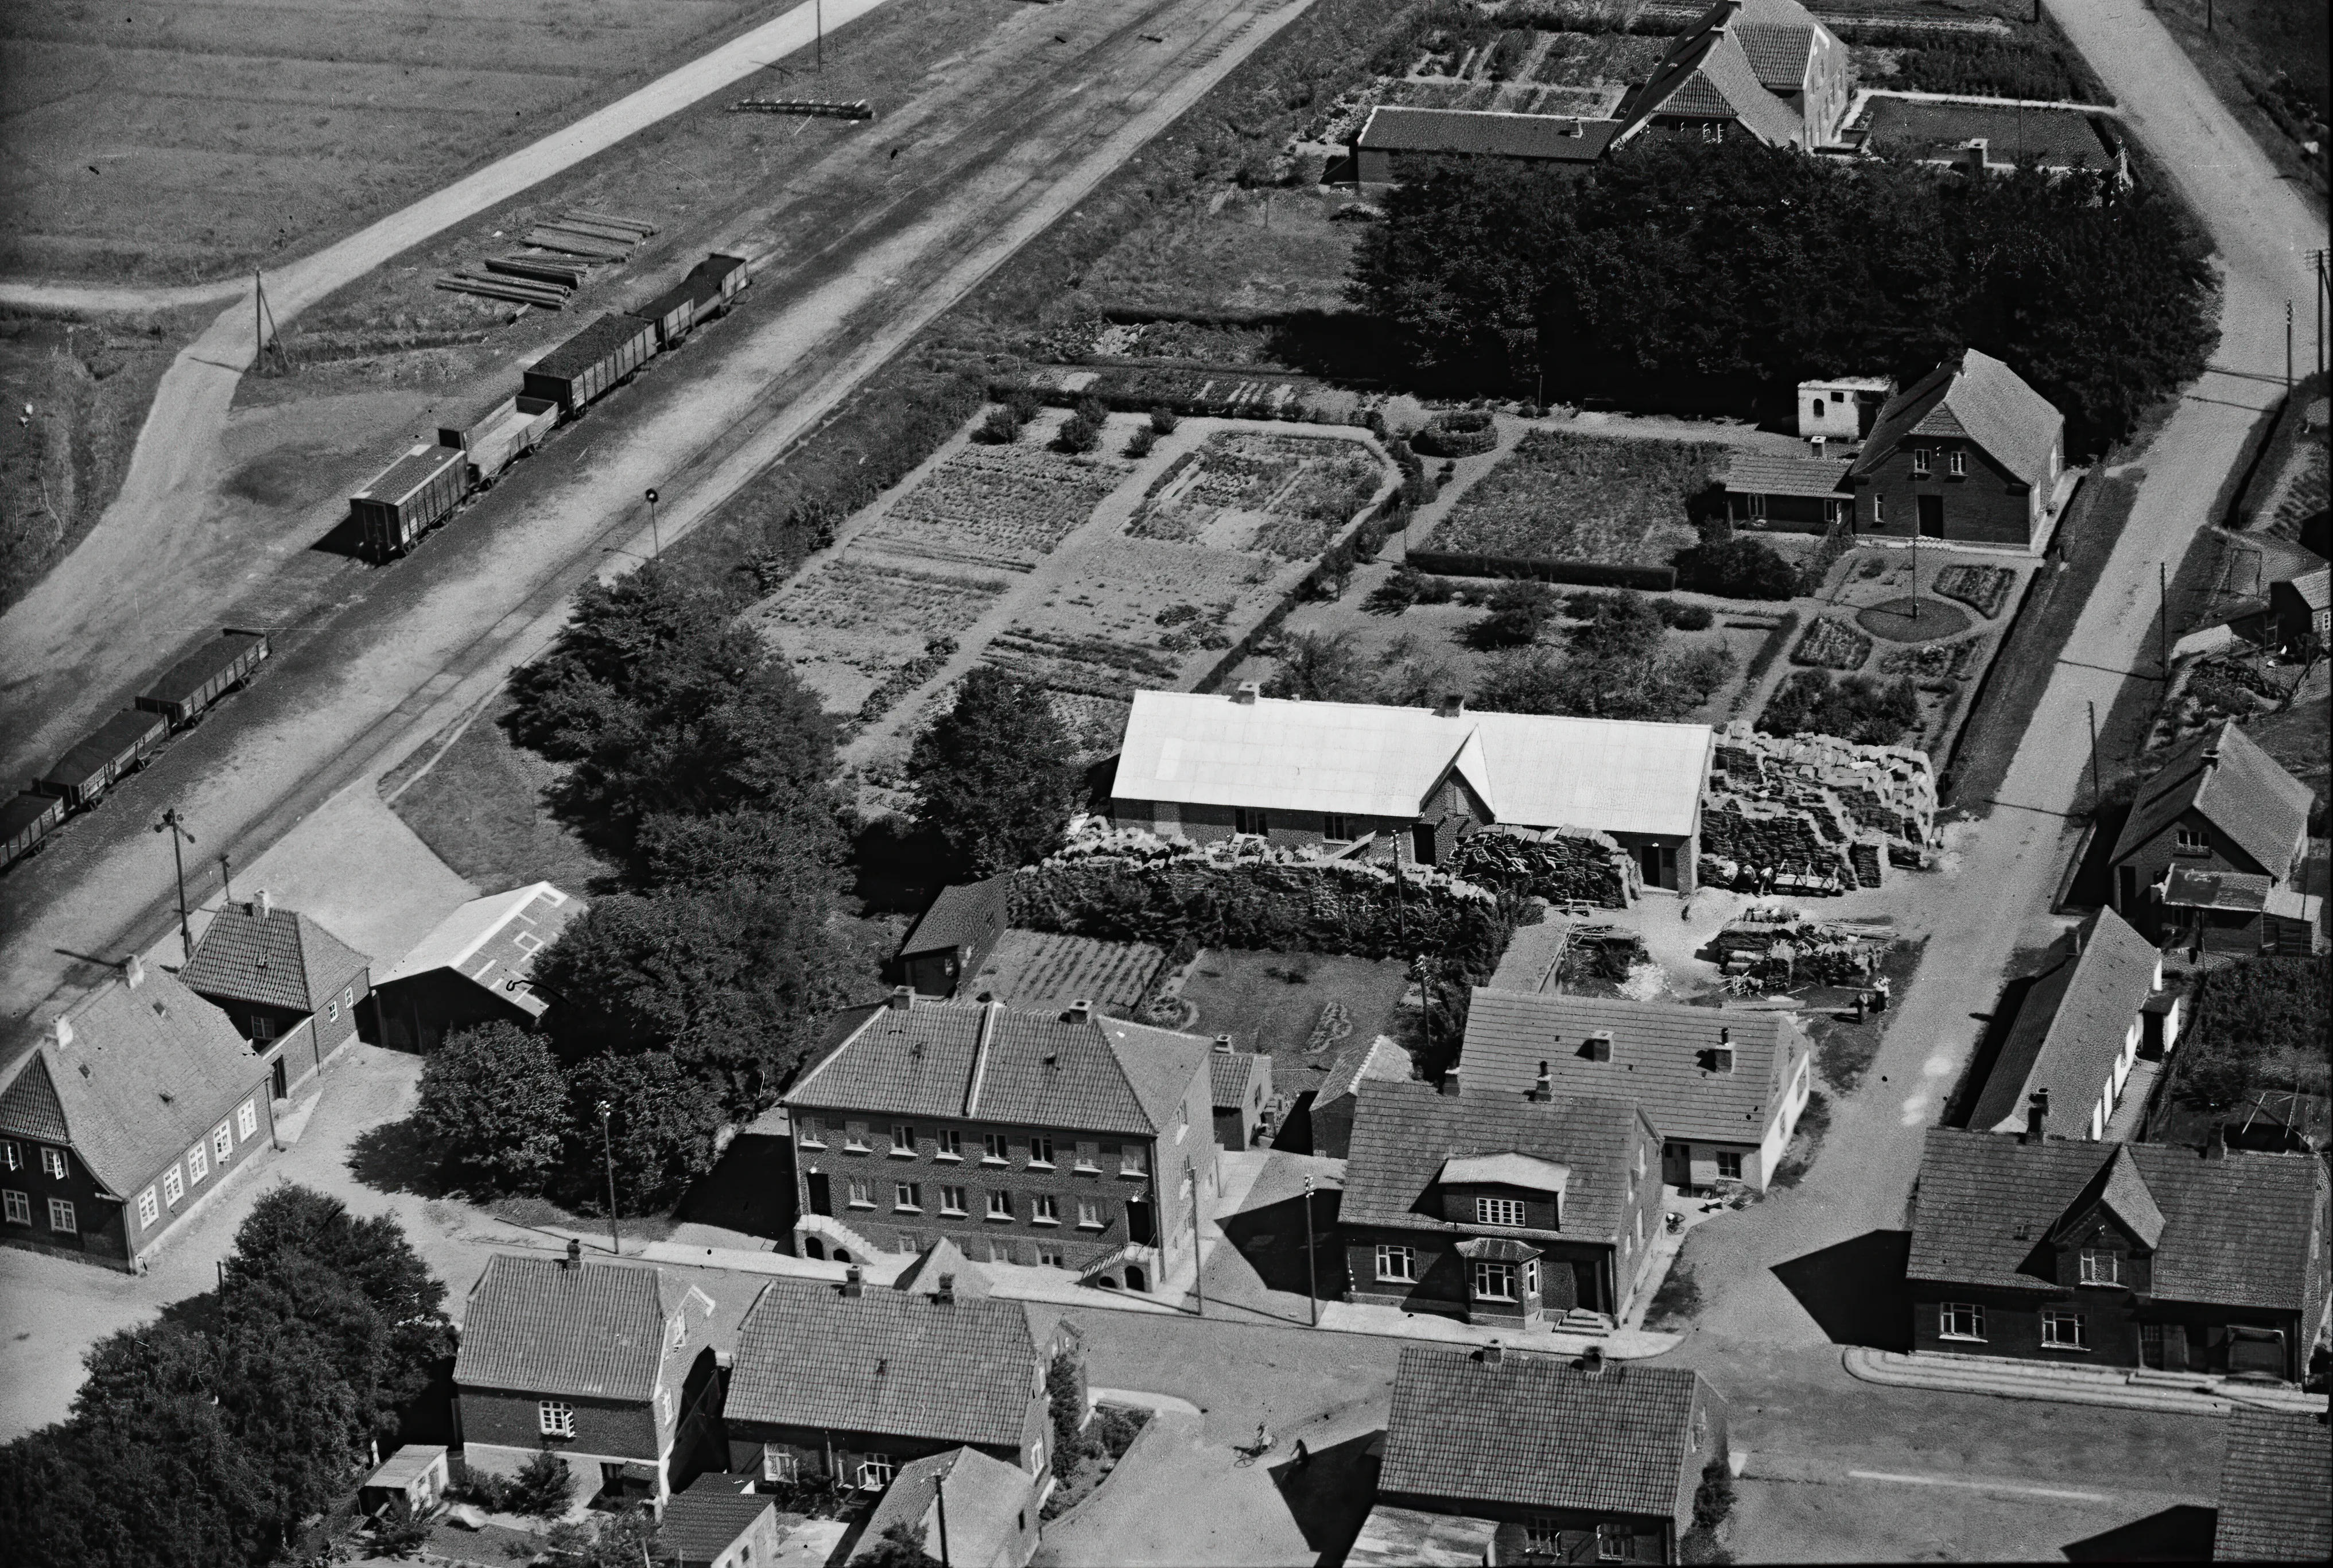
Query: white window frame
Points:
[780, 1466]
[149, 1207]
[2101, 1266]
[1612, 1544]
[1488, 1274]
[1051, 1255]
[62, 1216]
[1396, 1262]
[222, 1145]
[554, 1418]
[999, 1207]
[994, 1149]
[1041, 1151]
[1961, 1320]
[1956, 463]
[199, 1164]
[247, 1117]
[810, 1131]
[16, 1206]
[174, 1186]
[2186, 839]
[875, 1472]
[948, 1144]
[11, 1157]
[1922, 463]
[1133, 1160]
[332, 1013]
[854, 1137]
[903, 1141]
[861, 1195]
[1044, 1209]
[1089, 1215]
[53, 1164]
[1725, 1158]
[2054, 1323]
[1541, 1537]
[1879, 510]
[1089, 1162]
[1506, 1212]
[952, 1200]
[907, 1198]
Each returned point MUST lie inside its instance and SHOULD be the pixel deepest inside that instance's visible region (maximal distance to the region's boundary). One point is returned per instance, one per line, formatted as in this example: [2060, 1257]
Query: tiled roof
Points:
[2240, 790]
[149, 1069]
[1380, 1058]
[276, 957]
[1706, 75]
[1660, 1058]
[493, 939]
[1403, 1132]
[986, 1498]
[1397, 129]
[534, 1325]
[944, 1257]
[1368, 759]
[1230, 1073]
[1978, 398]
[704, 1522]
[1537, 1432]
[2273, 1483]
[2056, 138]
[983, 1060]
[1772, 474]
[965, 914]
[2236, 1231]
[2125, 1194]
[1395, 1537]
[2195, 888]
[2315, 587]
[886, 1360]
[1778, 52]
[2070, 1027]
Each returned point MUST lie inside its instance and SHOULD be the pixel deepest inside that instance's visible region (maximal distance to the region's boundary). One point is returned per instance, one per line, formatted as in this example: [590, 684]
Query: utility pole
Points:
[2163, 620]
[1198, 1255]
[226, 884]
[820, 14]
[2288, 348]
[608, 1150]
[939, 1493]
[2317, 263]
[1311, 1274]
[656, 539]
[2095, 784]
[174, 824]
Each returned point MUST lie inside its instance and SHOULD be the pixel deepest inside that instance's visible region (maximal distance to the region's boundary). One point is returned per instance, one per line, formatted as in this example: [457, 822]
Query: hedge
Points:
[1580, 573]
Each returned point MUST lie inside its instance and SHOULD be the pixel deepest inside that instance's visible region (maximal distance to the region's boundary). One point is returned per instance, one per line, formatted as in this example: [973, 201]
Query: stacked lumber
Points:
[564, 250]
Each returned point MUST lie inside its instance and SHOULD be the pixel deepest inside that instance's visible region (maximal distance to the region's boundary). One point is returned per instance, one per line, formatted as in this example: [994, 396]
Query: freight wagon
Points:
[729, 274]
[588, 365]
[116, 750]
[25, 821]
[204, 676]
[409, 497]
[703, 294]
[501, 436]
[673, 312]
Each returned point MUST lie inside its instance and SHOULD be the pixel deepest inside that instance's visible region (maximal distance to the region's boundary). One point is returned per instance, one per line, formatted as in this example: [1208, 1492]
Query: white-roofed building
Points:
[1404, 783]
[474, 968]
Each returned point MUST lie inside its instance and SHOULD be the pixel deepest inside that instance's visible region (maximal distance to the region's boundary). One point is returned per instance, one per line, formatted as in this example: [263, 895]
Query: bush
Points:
[1163, 421]
[1000, 429]
[1115, 1428]
[1022, 405]
[1713, 1504]
[1852, 708]
[1138, 445]
[1682, 616]
[1519, 610]
[541, 1487]
[1736, 569]
[1078, 433]
[1065, 1404]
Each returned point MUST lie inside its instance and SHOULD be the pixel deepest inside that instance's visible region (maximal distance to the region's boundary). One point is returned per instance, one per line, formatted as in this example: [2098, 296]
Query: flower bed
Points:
[1914, 620]
[1461, 433]
[1984, 589]
[1563, 496]
[1832, 644]
[1934, 661]
[1303, 488]
[1854, 707]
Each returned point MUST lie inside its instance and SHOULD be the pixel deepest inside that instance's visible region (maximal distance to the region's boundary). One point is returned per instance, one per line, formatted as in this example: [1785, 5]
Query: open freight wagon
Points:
[501, 436]
[409, 497]
[594, 360]
[119, 748]
[25, 821]
[203, 675]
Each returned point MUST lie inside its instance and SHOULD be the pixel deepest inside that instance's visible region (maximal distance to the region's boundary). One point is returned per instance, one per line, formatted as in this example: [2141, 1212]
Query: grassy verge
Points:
[2266, 59]
[1806, 1142]
[480, 811]
[1678, 1301]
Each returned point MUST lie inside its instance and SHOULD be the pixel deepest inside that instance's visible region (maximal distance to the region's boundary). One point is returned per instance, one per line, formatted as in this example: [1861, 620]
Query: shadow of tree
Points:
[397, 1157]
[2178, 1535]
[1855, 1291]
[1272, 1239]
[751, 1188]
[1329, 1493]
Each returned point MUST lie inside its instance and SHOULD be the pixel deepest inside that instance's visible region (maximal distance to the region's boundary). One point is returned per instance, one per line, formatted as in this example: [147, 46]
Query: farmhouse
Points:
[2219, 804]
[1969, 453]
[474, 968]
[291, 987]
[1765, 69]
[2116, 1254]
[1377, 782]
[1723, 1089]
[955, 936]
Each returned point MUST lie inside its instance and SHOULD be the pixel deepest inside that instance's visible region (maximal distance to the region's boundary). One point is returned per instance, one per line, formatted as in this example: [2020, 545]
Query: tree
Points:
[995, 776]
[1065, 1404]
[1518, 611]
[624, 1540]
[900, 1547]
[1736, 569]
[660, 1130]
[1321, 667]
[1623, 626]
[495, 1103]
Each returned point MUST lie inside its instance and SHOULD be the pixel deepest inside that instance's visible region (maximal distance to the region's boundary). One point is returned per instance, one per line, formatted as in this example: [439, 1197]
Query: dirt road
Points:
[1997, 888]
[409, 645]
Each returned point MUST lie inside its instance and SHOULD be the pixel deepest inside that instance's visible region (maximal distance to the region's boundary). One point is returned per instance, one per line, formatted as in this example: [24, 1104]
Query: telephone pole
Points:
[1312, 1274]
[607, 1152]
[174, 824]
[2162, 618]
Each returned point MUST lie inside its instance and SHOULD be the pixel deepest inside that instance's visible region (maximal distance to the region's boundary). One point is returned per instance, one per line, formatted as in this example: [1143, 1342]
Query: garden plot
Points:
[1030, 969]
[847, 625]
[1282, 495]
[1563, 496]
[996, 506]
[1139, 613]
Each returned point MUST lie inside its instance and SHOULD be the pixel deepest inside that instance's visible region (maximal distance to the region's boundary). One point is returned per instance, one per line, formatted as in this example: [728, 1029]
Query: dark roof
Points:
[1978, 399]
[704, 1522]
[2225, 776]
[276, 957]
[1539, 1432]
[149, 1070]
[1232, 1072]
[1403, 1133]
[886, 1360]
[2054, 138]
[1778, 52]
[964, 915]
[2071, 1027]
[2234, 1231]
[536, 1326]
[1772, 473]
[1392, 128]
[1380, 1058]
[1707, 75]
[592, 344]
[2313, 588]
[2198, 887]
[983, 1060]
[2273, 1483]
[1660, 1058]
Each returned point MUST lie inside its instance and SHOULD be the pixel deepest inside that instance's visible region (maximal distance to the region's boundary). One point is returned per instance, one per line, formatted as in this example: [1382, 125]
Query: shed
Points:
[410, 1480]
[1842, 408]
[717, 1524]
[1241, 1084]
[956, 934]
[474, 968]
[1788, 494]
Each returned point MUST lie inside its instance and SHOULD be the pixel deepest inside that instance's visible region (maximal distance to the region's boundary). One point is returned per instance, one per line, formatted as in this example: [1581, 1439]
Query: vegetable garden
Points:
[1573, 497]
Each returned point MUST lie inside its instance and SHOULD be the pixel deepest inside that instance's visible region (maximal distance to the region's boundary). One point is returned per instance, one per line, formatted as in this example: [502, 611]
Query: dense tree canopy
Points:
[993, 776]
[495, 1103]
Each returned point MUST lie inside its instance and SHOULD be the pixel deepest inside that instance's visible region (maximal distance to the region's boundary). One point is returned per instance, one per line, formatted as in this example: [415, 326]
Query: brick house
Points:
[1240, 1088]
[1773, 492]
[127, 1114]
[610, 1366]
[2303, 606]
[1547, 1460]
[2273, 1483]
[2218, 804]
[953, 938]
[1763, 69]
[1066, 1140]
[1333, 1103]
[1723, 1089]
[291, 986]
[2086, 1022]
[2118, 1254]
[1969, 453]
[1497, 1209]
[474, 968]
[964, 1507]
[849, 1383]
[1378, 782]
[718, 1522]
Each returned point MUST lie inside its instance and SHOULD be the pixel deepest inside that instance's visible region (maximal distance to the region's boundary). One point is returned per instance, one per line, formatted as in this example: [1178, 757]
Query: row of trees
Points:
[1680, 267]
[207, 1437]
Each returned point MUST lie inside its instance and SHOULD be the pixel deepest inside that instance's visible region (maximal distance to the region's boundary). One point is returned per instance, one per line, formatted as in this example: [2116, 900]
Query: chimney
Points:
[262, 904]
[946, 1294]
[133, 973]
[854, 1280]
[1247, 693]
[1574, 128]
[1222, 1044]
[1722, 1059]
[2074, 941]
[574, 1257]
[1450, 1079]
[1543, 1090]
[2212, 755]
[2216, 1146]
[62, 1031]
[2037, 1117]
[1493, 1354]
[1081, 1011]
[902, 997]
[1452, 706]
[1820, 444]
[1599, 1045]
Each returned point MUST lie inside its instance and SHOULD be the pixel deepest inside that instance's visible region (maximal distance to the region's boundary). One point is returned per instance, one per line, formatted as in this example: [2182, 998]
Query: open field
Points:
[477, 803]
[1557, 495]
[1279, 250]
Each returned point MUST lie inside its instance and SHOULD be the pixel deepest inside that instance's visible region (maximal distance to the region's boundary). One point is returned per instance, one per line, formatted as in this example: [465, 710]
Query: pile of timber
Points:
[564, 251]
[816, 107]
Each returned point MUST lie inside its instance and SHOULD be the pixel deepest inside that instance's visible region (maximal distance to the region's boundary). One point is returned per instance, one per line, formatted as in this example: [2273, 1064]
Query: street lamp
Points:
[1311, 1274]
[655, 540]
[608, 1150]
[174, 824]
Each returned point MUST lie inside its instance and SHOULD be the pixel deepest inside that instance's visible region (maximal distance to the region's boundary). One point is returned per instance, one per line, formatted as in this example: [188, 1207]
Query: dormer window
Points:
[2192, 841]
[2101, 1267]
[1505, 1211]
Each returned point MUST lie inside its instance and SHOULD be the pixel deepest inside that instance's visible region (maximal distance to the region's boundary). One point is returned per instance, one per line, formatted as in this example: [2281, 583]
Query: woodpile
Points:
[565, 250]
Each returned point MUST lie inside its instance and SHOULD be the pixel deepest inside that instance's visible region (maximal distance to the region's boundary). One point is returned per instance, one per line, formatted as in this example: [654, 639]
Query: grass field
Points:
[1564, 496]
[479, 809]
[1276, 251]
[1271, 1002]
[2268, 61]
[178, 144]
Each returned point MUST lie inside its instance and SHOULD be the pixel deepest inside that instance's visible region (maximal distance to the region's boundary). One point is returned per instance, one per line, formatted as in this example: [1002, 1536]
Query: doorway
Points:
[1677, 1165]
[1932, 517]
[1421, 845]
[279, 1082]
[1137, 1223]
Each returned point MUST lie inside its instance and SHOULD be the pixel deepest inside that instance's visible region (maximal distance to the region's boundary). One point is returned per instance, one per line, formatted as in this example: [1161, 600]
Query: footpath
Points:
[2139, 1388]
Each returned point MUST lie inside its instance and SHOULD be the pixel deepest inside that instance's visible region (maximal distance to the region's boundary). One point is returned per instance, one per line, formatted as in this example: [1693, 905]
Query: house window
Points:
[62, 1217]
[1248, 820]
[18, 1206]
[1530, 1277]
[664, 1404]
[1612, 1544]
[11, 1157]
[555, 1418]
[1879, 510]
[222, 1142]
[1000, 1206]
[992, 1148]
[810, 1131]
[1920, 462]
[1089, 1215]
[1961, 1320]
[1182, 1120]
[1133, 1160]
[2192, 842]
[348, 995]
[263, 1029]
[1956, 463]
[247, 1117]
[1498, 1211]
[909, 1196]
[862, 1195]
[1085, 1158]
[854, 1137]
[875, 1472]
[950, 1144]
[199, 1164]
[952, 1200]
[1041, 1152]
[150, 1209]
[1700, 1428]
[173, 1186]
[1049, 1256]
[903, 1141]
[778, 1465]
[1756, 506]
[1044, 1209]
[1542, 1539]
[1729, 1166]
[1396, 1262]
[52, 1164]
[2101, 1268]
[1343, 829]
[332, 1013]
[1495, 1281]
[2063, 1328]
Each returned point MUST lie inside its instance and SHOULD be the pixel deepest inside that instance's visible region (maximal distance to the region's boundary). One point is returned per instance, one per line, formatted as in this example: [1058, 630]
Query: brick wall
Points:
[1986, 506]
[614, 1428]
[2195, 1336]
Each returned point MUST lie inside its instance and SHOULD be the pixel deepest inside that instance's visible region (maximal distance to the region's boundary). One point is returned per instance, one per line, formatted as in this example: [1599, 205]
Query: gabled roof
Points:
[1368, 759]
[1230, 1074]
[1427, 132]
[1978, 399]
[1382, 1057]
[535, 1325]
[2236, 1231]
[2123, 1194]
[944, 1257]
[2314, 588]
[1661, 1058]
[2225, 777]
[492, 940]
[147, 1071]
[1535, 1431]
[1778, 52]
[273, 957]
[964, 915]
[2273, 1483]
[2071, 1027]
[1706, 75]
[886, 1360]
[1772, 473]
[982, 1060]
[1405, 1133]
[705, 1521]
[986, 1500]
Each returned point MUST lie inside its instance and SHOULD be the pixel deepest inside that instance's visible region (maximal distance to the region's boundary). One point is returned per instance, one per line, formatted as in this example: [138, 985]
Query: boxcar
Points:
[728, 274]
[409, 497]
[203, 677]
[586, 365]
[119, 748]
[501, 436]
[25, 821]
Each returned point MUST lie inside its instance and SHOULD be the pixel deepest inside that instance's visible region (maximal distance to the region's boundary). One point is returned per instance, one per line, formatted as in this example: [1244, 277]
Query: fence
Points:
[1578, 573]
